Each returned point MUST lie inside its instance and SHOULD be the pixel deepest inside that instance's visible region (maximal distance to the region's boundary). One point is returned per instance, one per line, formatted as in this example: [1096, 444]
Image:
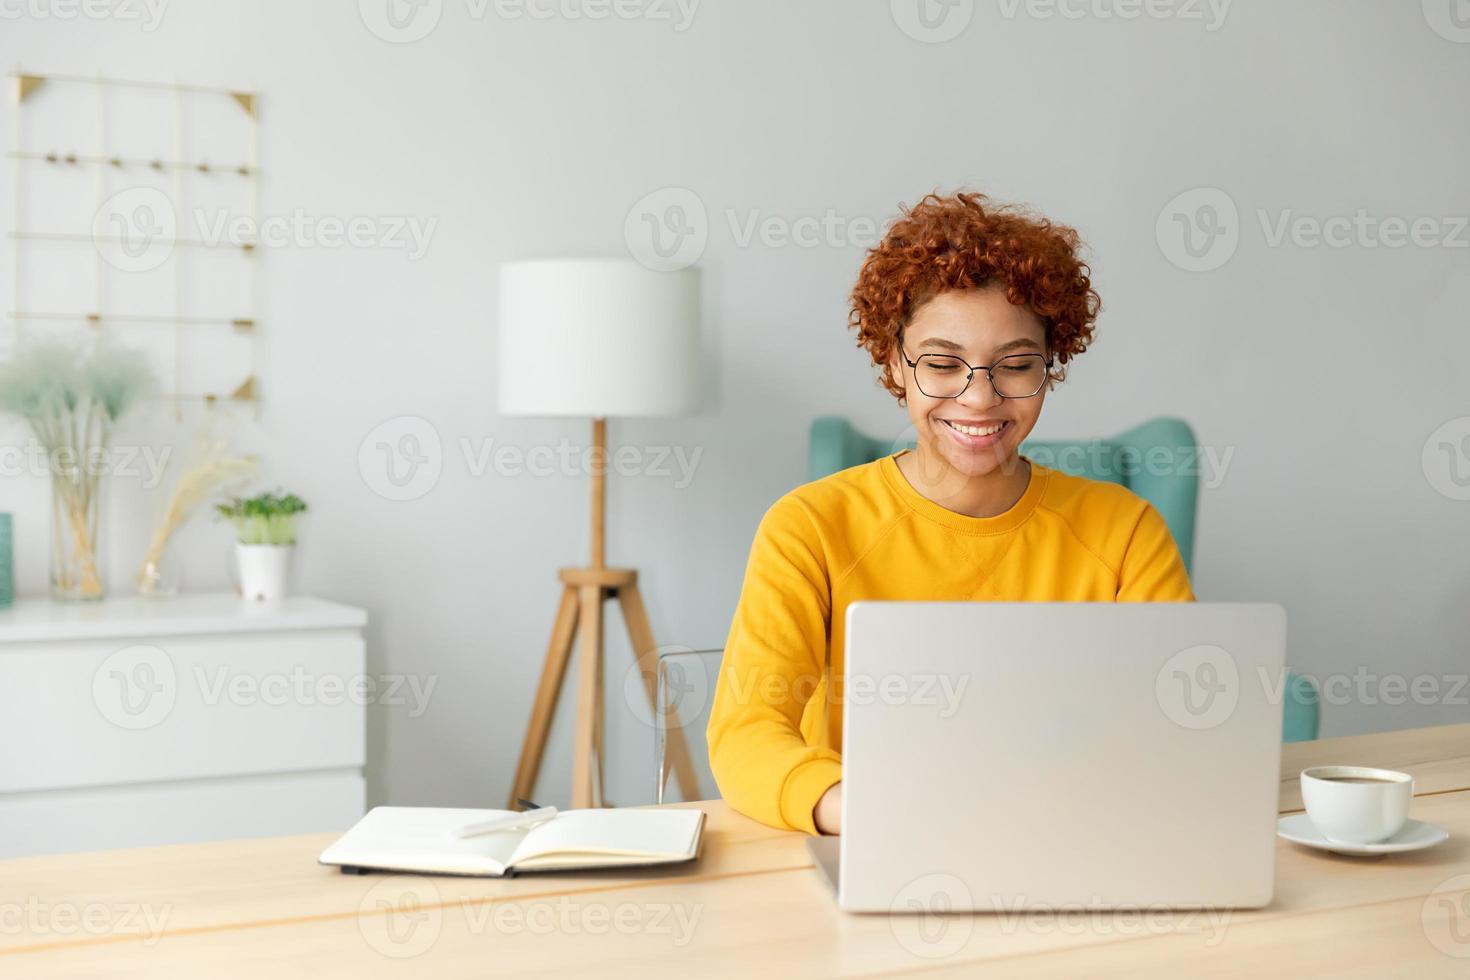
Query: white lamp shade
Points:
[598, 338]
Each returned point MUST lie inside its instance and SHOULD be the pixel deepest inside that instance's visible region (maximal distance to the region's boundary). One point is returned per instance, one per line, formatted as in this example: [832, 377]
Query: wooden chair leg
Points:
[589, 668]
[558, 652]
[646, 652]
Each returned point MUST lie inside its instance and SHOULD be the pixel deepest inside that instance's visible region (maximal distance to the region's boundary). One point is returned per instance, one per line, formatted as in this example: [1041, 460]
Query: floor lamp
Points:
[595, 338]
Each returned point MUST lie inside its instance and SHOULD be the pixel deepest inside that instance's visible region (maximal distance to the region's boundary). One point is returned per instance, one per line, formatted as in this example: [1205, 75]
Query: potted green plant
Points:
[265, 526]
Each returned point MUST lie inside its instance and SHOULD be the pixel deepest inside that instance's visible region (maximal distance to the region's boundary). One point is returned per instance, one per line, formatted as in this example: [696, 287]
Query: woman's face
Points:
[978, 433]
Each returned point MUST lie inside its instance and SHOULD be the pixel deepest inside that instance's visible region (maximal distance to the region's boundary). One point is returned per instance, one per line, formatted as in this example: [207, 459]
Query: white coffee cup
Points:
[1357, 804]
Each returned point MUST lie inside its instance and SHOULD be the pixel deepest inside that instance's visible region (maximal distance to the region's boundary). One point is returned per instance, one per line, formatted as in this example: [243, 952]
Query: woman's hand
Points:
[828, 812]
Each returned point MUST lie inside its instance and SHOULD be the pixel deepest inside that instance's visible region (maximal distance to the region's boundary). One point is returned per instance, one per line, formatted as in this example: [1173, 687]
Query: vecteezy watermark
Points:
[669, 229]
[400, 21]
[136, 229]
[1445, 917]
[1368, 687]
[407, 21]
[1200, 229]
[689, 679]
[402, 458]
[1210, 13]
[1198, 687]
[299, 686]
[147, 14]
[1094, 917]
[137, 688]
[924, 920]
[941, 691]
[38, 919]
[1103, 460]
[147, 464]
[932, 21]
[678, 14]
[1446, 459]
[1362, 229]
[582, 915]
[826, 230]
[403, 916]
[567, 459]
[1450, 19]
[299, 229]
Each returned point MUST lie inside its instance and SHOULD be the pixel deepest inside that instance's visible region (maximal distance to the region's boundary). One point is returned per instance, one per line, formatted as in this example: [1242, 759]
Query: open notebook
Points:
[412, 838]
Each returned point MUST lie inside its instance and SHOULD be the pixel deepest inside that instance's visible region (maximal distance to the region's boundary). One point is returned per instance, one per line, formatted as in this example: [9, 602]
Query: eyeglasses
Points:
[947, 376]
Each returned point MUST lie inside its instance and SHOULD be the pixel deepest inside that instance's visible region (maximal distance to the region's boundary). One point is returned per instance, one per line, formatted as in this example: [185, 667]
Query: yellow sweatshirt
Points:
[775, 736]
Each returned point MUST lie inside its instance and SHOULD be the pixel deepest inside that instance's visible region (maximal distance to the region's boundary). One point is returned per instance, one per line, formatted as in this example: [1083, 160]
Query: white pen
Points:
[514, 821]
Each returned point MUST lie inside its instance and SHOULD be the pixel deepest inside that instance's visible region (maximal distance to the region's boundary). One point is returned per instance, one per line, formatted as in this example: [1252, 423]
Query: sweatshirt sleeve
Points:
[775, 657]
[1152, 569]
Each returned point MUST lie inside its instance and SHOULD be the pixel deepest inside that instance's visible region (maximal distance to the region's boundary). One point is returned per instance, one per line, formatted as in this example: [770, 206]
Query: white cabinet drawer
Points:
[102, 818]
[100, 712]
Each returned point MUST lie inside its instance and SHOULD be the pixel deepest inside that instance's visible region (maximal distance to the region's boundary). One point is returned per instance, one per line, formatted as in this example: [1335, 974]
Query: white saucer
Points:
[1415, 836]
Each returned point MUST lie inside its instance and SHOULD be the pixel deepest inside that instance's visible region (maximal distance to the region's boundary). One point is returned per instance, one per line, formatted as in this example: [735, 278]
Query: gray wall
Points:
[1315, 373]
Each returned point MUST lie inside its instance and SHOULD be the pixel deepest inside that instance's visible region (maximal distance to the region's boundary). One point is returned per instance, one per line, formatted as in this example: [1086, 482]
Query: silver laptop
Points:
[1008, 756]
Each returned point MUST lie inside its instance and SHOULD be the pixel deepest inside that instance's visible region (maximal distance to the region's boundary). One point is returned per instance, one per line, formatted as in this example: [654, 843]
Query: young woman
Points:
[970, 311]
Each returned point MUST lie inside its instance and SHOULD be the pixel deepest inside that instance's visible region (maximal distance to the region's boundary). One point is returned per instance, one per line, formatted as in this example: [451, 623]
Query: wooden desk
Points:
[752, 904]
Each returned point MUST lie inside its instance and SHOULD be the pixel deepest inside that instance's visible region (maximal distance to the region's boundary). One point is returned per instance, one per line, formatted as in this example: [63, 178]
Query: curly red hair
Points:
[966, 241]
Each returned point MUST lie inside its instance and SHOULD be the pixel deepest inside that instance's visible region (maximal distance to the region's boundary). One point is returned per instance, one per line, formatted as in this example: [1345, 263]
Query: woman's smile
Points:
[973, 433]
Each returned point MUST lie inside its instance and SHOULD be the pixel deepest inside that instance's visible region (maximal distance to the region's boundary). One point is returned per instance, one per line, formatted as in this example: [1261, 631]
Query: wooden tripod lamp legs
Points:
[547, 692]
[584, 591]
[587, 741]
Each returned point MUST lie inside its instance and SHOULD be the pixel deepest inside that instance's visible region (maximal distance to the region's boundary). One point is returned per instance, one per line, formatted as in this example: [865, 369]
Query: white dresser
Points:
[131, 722]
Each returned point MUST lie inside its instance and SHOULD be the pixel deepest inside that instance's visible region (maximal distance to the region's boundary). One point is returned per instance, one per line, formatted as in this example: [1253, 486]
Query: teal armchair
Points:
[1158, 460]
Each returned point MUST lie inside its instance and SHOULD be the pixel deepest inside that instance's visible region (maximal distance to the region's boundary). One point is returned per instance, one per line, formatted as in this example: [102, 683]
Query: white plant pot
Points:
[264, 570]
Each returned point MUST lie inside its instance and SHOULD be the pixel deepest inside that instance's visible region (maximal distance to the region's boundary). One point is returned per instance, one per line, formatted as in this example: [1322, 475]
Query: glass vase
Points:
[159, 578]
[76, 535]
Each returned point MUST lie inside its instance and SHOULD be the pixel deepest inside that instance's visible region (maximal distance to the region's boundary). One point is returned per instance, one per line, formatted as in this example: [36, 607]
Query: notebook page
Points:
[418, 839]
[654, 834]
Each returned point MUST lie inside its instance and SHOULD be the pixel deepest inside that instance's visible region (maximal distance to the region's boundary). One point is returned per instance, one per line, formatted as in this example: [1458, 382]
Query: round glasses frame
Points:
[973, 368]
